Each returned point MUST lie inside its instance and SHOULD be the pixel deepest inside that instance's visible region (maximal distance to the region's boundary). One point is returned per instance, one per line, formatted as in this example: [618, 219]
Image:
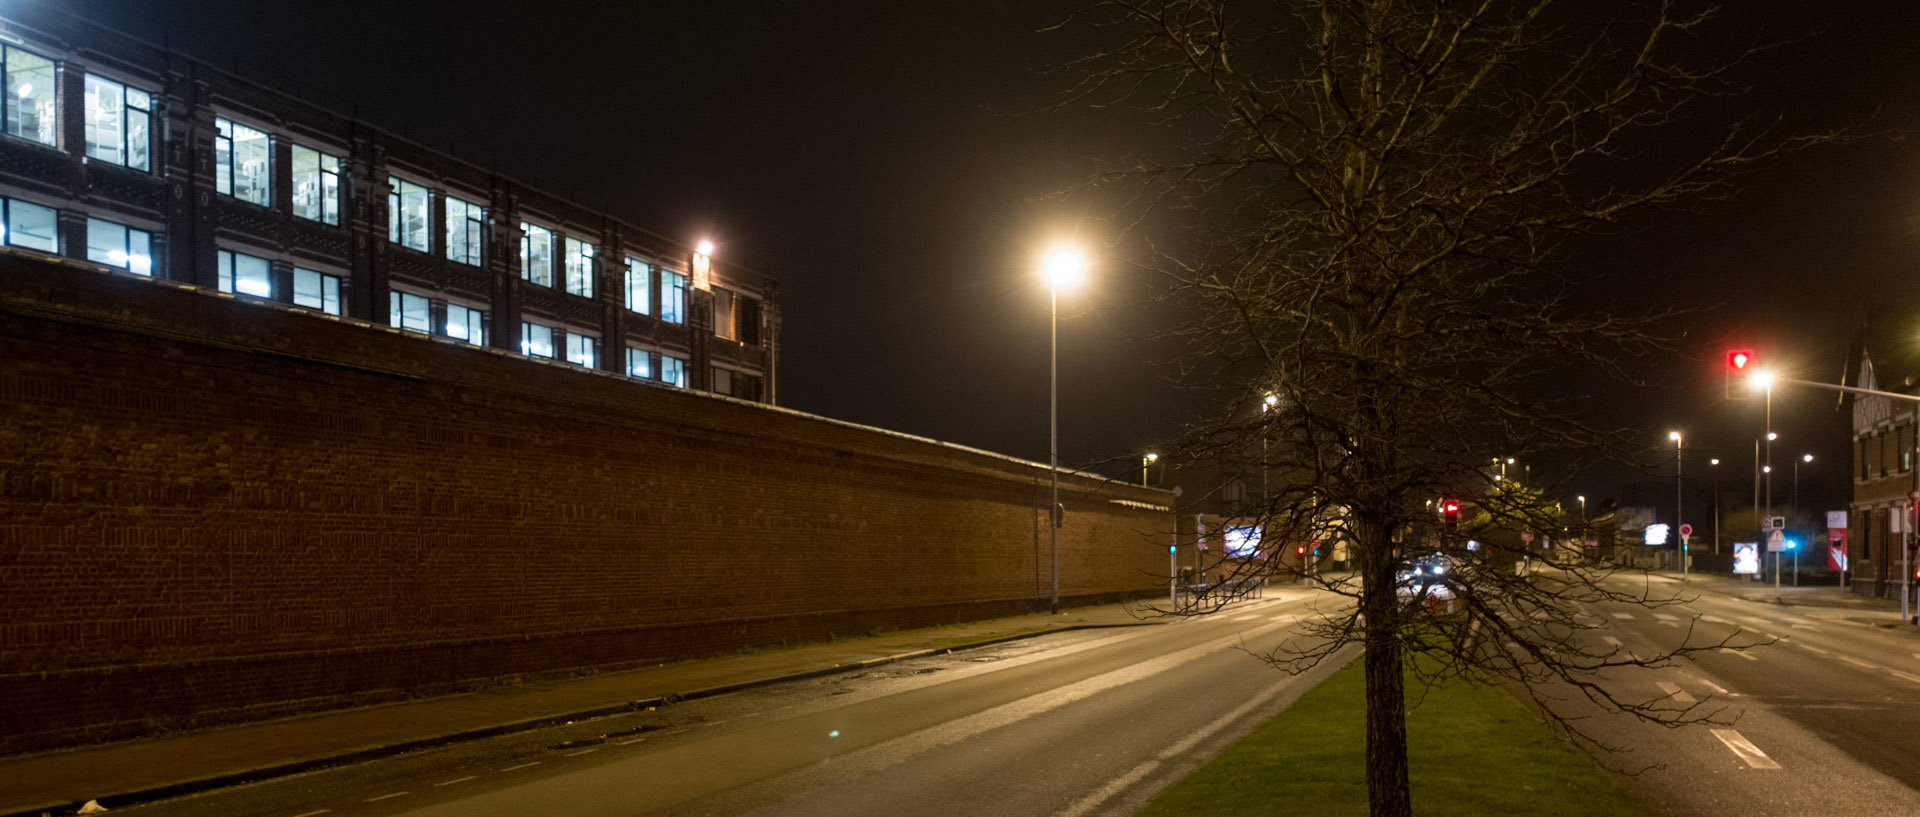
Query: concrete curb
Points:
[137, 796]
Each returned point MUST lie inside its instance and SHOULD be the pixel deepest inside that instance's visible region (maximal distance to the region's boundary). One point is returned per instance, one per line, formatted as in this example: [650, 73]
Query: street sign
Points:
[1686, 530]
[1777, 542]
[1779, 523]
[1766, 523]
[1526, 536]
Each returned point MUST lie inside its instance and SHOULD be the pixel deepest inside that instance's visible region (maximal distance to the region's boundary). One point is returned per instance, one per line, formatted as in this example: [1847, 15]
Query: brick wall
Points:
[214, 509]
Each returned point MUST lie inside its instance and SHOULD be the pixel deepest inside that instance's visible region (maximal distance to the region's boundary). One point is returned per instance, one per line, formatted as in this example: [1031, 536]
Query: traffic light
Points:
[1739, 366]
[1450, 513]
[1300, 550]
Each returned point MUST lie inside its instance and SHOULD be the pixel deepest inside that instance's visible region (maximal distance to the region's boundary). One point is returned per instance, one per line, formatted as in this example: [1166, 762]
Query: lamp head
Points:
[1064, 267]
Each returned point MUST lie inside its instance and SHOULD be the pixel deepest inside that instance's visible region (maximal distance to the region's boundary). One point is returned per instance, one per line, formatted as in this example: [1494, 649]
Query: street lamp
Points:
[1583, 520]
[1064, 266]
[1715, 462]
[1679, 519]
[1794, 506]
[1147, 462]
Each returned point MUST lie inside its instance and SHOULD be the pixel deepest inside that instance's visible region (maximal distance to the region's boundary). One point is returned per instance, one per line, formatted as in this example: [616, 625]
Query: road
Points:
[1074, 724]
[1820, 716]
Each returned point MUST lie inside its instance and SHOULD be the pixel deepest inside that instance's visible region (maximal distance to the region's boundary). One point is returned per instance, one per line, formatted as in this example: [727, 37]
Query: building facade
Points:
[121, 153]
[1880, 516]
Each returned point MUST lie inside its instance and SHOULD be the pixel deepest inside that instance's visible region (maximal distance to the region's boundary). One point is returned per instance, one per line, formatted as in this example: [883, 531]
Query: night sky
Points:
[890, 163]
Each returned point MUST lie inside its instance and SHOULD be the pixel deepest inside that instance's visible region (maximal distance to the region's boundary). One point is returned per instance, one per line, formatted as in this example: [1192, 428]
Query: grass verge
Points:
[1474, 751]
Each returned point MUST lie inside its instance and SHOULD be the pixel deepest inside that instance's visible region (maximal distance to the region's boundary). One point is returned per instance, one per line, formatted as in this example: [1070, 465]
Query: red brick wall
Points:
[213, 509]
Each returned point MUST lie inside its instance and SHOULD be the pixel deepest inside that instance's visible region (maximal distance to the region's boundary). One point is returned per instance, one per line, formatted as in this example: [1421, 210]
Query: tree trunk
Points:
[1388, 794]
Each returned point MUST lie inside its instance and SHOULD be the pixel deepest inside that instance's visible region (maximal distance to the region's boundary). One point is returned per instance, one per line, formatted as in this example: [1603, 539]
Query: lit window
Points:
[639, 286]
[583, 350]
[407, 205]
[240, 162]
[316, 185]
[466, 230]
[117, 118]
[317, 290]
[408, 311]
[536, 339]
[30, 225]
[639, 363]
[536, 254]
[673, 297]
[723, 314]
[673, 370]
[245, 274]
[467, 323]
[30, 110]
[1242, 541]
[118, 245]
[579, 267]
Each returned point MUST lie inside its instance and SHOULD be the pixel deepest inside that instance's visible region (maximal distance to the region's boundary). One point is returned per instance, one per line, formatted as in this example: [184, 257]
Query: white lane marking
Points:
[1741, 653]
[1666, 617]
[1678, 695]
[521, 766]
[1916, 655]
[385, 797]
[581, 752]
[459, 780]
[1758, 622]
[1715, 619]
[1611, 641]
[1185, 745]
[1907, 677]
[1811, 648]
[1717, 689]
[1745, 749]
[629, 742]
[1808, 627]
[1857, 662]
[311, 813]
[1623, 616]
[1247, 617]
[1673, 624]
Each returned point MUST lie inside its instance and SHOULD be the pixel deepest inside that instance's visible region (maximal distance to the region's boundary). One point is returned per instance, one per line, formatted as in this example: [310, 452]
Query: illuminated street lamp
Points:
[1715, 462]
[1064, 267]
[1794, 507]
[1147, 462]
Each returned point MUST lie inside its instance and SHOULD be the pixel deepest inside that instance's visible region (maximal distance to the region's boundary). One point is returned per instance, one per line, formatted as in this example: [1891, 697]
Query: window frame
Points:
[474, 319]
[646, 357]
[327, 184]
[7, 230]
[399, 188]
[10, 111]
[645, 289]
[397, 311]
[527, 332]
[591, 345]
[678, 366]
[527, 271]
[125, 129]
[331, 303]
[227, 262]
[577, 265]
[127, 231]
[226, 175]
[673, 295]
[473, 221]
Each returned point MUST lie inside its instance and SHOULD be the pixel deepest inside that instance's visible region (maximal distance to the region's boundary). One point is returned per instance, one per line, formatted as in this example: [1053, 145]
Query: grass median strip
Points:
[1474, 751]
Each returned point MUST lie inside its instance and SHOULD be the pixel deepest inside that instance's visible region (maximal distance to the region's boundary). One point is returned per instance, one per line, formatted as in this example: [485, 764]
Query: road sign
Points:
[1686, 530]
[1526, 536]
[1777, 542]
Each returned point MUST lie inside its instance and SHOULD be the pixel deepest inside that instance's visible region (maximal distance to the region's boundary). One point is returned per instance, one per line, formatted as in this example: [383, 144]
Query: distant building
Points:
[121, 153]
[1884, 357]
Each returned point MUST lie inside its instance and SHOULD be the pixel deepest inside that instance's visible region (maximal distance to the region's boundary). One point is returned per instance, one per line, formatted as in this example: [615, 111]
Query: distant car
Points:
[1427, 577]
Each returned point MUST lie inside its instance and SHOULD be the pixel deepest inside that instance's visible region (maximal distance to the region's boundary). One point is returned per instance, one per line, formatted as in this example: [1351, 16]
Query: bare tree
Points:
[1368, 225]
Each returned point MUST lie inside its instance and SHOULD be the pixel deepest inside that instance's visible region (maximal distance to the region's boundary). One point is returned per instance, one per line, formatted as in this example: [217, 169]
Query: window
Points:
[316, 185]
[408, 311]
[30, 225]
[317, 290]
[736, 384]
[245, 274]
[466, 231]
[723, 314]
[536, 339]
[407, 205]
[536, 254]
[746, 320]
[639, 286]
[673, 297]
[118, 245]
[1903, 437]
[583, 350]
[639, 363]
[240, 162]
[579, 267]
[30, 110]
[466, 323]
[117, 118]
[673, 370]
[723, 382]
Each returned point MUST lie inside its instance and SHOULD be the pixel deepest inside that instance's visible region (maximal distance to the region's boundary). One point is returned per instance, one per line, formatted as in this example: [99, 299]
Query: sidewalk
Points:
[119, 774]
[1862, 609]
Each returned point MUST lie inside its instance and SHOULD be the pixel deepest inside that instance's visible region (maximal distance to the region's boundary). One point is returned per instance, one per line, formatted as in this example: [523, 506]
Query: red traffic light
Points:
[1739, 359]
[1450, 512]
[1300, 550]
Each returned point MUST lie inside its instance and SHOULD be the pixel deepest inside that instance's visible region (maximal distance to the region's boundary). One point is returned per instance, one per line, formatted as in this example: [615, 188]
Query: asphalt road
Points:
[1819, 715]
[1072, 724]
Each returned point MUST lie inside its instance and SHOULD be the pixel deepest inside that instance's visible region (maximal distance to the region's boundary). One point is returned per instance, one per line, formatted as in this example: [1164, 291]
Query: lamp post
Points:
[1715, 462]
[1146, 463]
[1794, 507]
[1583, 522]
[1679, 519]
[1063, 268]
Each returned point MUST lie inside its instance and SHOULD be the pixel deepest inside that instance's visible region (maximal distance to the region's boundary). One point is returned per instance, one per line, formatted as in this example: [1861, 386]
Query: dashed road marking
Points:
[1907, 677]
[1666, 617]
[312, 813]
[581, 752]
[1674, 692]
[1611, 640]
[459, 780]
[1745, 750]
[1741, 653]
[1673, 624]
[1757, 622]
[629, 742]
[385, 797]
[1247, 617]
[521, 766]
[1715, 619]
[1811, 648]
[1857, 662]
[1808, 627]
[1623, 616]
[1916, 655]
